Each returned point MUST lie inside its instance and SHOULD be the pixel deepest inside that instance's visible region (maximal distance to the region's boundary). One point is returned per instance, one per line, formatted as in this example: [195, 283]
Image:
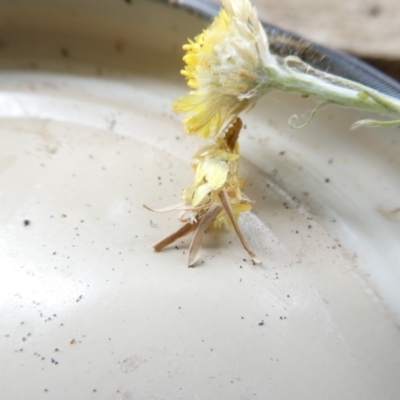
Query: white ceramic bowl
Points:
[88, 310]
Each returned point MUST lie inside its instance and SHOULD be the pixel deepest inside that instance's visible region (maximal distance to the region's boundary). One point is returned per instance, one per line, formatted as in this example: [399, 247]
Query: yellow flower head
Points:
[224, 67]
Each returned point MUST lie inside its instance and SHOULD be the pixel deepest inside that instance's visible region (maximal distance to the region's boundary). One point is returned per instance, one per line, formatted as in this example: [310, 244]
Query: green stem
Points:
[291, 74]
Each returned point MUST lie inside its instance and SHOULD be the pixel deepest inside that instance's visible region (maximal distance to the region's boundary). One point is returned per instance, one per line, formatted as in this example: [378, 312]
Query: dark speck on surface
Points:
[64, 52]
[119, 45]
[375, 10]
[261, 323]
[27, 222]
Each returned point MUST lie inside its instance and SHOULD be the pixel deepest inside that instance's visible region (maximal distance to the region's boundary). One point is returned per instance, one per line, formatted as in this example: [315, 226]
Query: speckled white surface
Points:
[89, 311]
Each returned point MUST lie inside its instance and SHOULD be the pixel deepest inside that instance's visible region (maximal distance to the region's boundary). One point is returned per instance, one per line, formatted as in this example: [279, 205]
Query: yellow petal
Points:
[188, 193]
[214, 172]
[201, 195]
